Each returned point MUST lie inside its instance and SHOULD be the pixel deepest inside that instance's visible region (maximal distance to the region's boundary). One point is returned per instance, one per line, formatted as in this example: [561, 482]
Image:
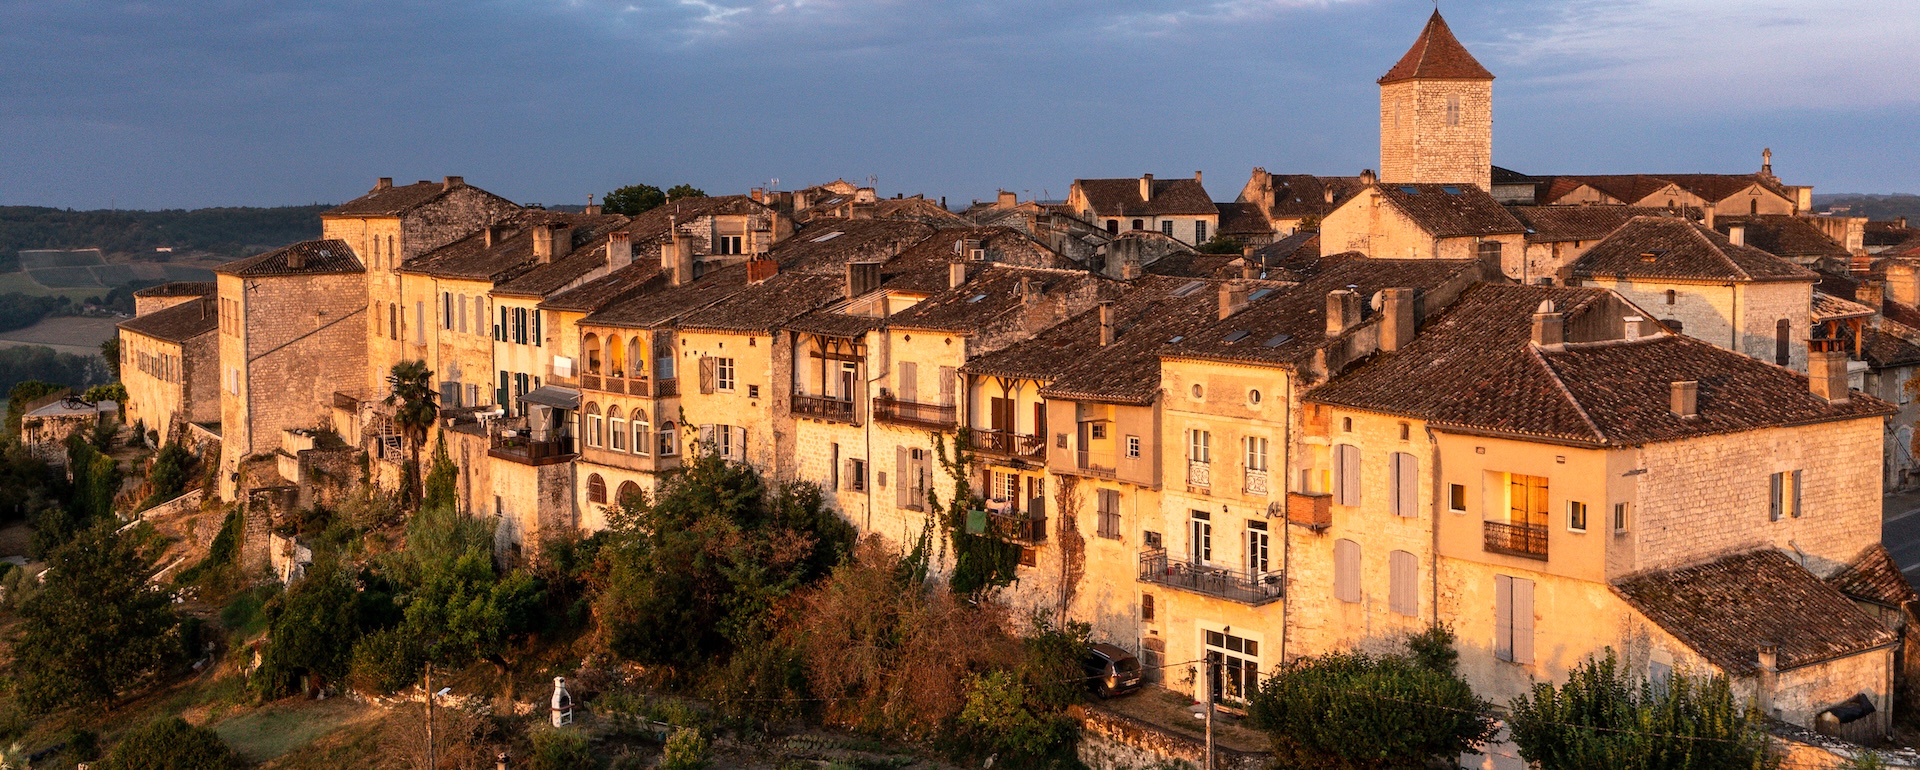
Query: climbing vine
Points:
[981, 560]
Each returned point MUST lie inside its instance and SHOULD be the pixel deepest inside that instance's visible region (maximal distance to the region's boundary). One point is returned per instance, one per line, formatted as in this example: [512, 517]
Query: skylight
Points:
[1278, 339]
[1189, 289]
[1450, 190]
[1176, 338]
[976, 298]
[1410, 190]
[828, 237]
[1237, 335]
[1259, 294]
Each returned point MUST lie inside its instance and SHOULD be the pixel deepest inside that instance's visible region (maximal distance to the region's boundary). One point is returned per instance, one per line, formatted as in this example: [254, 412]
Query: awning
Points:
[554, 396]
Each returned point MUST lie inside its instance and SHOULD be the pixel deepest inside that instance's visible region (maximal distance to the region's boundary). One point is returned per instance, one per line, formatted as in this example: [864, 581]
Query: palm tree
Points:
[412, 392]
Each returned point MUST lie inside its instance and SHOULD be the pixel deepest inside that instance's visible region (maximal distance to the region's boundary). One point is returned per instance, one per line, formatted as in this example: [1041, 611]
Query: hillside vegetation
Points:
[1877, 207]
[231, 232]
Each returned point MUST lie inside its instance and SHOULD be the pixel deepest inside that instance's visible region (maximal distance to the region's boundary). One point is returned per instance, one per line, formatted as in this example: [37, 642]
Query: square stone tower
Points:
[1436, 114]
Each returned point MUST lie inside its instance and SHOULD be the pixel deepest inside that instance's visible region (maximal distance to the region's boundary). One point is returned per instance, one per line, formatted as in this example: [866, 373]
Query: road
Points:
[1900, 532]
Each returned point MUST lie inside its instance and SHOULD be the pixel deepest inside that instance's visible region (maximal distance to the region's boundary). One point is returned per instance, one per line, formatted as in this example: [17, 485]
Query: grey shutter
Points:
[1503, 617]
[846, 474]
[739, 443]
[1406, 475]
[948, 377]
[536, 326]
[909, 381]
[1347, 466]
[1402, 596]
[1773, 506]
[500, 332]
[1796, 494]
[902, 490]
[1346, 570]
[1522, 620]
[707, 369]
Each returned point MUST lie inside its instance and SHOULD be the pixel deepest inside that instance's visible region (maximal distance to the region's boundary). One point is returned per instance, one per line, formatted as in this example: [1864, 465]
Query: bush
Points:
[167, 479]
[312, 631]
[387, 661]
[557, 749]
[96, 628]
[685, 750]
[1605, 718]
[171, 744]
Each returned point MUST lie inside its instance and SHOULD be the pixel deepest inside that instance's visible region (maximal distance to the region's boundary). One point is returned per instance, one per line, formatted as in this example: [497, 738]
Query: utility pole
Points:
[1206, 688]
[431, 765]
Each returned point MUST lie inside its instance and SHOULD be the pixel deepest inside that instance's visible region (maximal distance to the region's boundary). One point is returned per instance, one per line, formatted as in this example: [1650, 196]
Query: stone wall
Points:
[1741, 317]
[1418, 145]
[1110, 741]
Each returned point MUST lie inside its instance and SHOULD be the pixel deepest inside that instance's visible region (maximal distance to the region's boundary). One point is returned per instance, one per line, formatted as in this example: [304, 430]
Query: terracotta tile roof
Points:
[321, 257]
[1719, 187]
[511, 255]
[1193, 264]
[1292, 252]
[179, 323]
[1243, 218]
[561, 274]
[594, 294]
[1121, 197]
[1305, 195]
[1631, 188]
[1889, 344]
[830, 323]
[1784, 235]
[1888, 232]
[914, 209]
[1875, 577]
[1678, 249]
[1549, 224]
[1827, 307]
[1069, 355]
[1436, 55]
[395, 201]
[1510, 176]
[991, 294]
[923, 266]
[767, 305]
[1480, 373]
[180, 289]
[1450, 211]
[1725, 609]
[657, 304]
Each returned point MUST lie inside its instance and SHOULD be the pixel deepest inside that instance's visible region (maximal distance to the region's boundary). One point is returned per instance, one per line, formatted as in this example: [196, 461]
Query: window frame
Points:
[1576, 516]
[724, 379]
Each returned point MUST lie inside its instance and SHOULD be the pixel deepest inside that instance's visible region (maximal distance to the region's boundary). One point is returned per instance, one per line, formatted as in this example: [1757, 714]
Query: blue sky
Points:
[186, 103]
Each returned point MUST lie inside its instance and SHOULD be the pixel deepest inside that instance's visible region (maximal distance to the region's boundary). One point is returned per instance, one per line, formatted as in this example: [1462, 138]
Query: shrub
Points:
[171, 744]
[96, 628]
[685, 750]
[558, 749]
[1605, 718]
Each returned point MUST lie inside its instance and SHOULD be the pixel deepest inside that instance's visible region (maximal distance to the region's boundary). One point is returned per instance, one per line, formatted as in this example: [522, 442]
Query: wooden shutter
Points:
[948, 381]
[1347, 474]
[500, 396]
[1773, 506]
[536, 326]
[1503, 617]
[1002, 415]
[1406, 485]
[1346, 570]
[1796, 494]
[739, 443]
[902, 490]
[1402, 595]
[500, 332]
[909, 381]
[707, 370]
[1522, 620]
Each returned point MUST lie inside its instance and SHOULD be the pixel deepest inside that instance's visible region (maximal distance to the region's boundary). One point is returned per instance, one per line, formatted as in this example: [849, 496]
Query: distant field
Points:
[65, 333]
[39, 258]
[66, 278]
[82, 273]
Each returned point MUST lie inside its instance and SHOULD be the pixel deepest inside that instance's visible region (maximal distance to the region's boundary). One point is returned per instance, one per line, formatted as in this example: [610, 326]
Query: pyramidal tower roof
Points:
[1437, 55]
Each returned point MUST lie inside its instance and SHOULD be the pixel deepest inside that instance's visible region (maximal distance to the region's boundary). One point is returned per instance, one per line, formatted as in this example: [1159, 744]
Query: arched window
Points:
[1113, 227]
[1139, 224]
[669, 439]
[1781, 332]
[596, 489]
[629, 493]
[1670, 296]
[590, 347]
[616, 429]
[642, 433]
[616, 357]
[595, 429]
[1753, 206]
[636, 363]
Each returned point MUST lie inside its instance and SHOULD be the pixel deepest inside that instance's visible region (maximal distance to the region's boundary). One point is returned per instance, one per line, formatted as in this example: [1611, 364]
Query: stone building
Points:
[170, 360]
[1178, 208]
[1427, 221]
[1436, 114]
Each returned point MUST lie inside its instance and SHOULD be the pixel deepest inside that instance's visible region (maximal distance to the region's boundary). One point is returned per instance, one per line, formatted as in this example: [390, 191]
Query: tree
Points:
[981, 560]
[20, 395]
[110, 350]
[310, 631]
[170, 743]
[684, 190]
[1220, 244]
[443, 478]
[415, 409]
[97, 628]
[1356, 711]
[1605, 718]
[633, 200]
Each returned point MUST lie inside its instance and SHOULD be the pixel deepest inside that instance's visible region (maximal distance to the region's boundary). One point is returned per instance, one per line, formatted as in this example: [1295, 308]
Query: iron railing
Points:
[1528, 540]
[837, 410]
[1009, 444]
[893, 410]
[519, 446]
[1254, 588]
[1019, 526]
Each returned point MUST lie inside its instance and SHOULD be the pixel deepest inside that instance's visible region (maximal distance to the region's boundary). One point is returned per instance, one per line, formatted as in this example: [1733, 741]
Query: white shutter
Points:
[739, 443]
[1522, 620]
[706, 437]
[1503, 617]
[902, 473]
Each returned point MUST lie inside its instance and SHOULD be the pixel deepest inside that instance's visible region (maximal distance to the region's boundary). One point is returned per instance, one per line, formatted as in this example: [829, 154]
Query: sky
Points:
[191, 103]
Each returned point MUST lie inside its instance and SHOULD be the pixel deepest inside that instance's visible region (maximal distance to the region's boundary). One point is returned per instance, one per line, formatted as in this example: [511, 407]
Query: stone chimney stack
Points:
[1233, 298]
[1706, 216]
[1006, 200]
[1343, 311]
[1903, 282]
[1549, 327]
[384, 183]
[1737, 234]
[452, 182]
[593, 209]
[1249, 267]
[1396, 318]
[1684, 399]
[1870, 293]
[1326, 192]
[1196, 178]
[619, 249]
[1367, 179]
[550, 241]
[1146, 188]
[676, 258]
[956, 274]
[296, 258]
[1106, 324]
[1129, 270]
[862, 277]
[1827, 375]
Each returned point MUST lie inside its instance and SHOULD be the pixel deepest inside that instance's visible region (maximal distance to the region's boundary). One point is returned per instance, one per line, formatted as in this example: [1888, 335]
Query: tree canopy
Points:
[1603, 717]
[97, 629]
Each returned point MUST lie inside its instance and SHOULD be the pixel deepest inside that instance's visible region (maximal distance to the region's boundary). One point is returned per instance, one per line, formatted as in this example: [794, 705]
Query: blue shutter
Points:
[536, 326]
[500, 396]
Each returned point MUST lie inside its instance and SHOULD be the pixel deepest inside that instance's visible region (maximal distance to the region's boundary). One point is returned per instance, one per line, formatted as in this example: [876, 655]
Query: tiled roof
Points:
[1243, 218]
[833, 324]
[590, 296]
[989, 294]
[1479, 372]
[1510, 176]
[321, 257]
[1549, 224]
[767, 305]
[1827, 307]
[1070, 357]
[1436, 55]
[179, 323]
[656, 303]
[180, 289]
[1887, 232]
[1786, 236]
[906, 209]
[1631, 188]
[560, 274]
[511, 255]
[923, 266]
[1712, 609]
[1121, 197]
[1671, 248]
[1873, 576]
[1449, 211]
[1889, 345]
[395, 201]
[1193, 264]
[1290, 252]
[1305, 195]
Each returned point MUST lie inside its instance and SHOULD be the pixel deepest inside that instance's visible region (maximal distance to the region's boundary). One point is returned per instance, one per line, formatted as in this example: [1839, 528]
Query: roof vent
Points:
[1684, 399]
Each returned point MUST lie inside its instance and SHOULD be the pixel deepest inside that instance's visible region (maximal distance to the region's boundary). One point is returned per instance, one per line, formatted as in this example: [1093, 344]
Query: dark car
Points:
[1112, 671]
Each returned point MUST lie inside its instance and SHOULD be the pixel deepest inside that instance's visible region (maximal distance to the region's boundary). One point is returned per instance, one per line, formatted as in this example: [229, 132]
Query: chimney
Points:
[1706, 216]
[1900, 222]
[1903, 282]
[452, 182]
[862, 277]
[1870, 293]
[1768, 656]
[1027, 294]
[1396, 318]
[207, 308]
[619, 249]
[1549, 327]
[1367, 178]
[1196, 178]
[1637, 327]
[1249, 269]
[676, 258]
[1106, 324]
[1343, 311]
[593, 209]
[956, 274]
[1007, 200]
[1146, 188]
[1827, 375]
[1233, 298]
[1683, 399]
[543, 242]
[1737, 234]
[384, 183]
[1129, 270]
[1326, 192]
[296, 258]
[494, 234]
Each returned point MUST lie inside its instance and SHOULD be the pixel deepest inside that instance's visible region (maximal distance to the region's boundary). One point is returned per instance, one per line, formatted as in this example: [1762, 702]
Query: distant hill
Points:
[1870, 206]
[229, 232]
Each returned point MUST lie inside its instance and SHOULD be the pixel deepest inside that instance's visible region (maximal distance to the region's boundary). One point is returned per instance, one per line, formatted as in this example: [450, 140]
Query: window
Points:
[617, 429]
[1146, 607]
[857, 475]
[629, 493]
[1166, 228]
[912, 470]
[1152, 540]
[1782, 334]
[1258, 546]
[1346, 425]
[1403, 594]
[1453, 109]
[1753, 206]
[1513, 619]
[949, 377]
[1670, 295]
[1673, 325]
[393, 322]
[1139, 224]
[1619, 518]
[1109, 510]
[1785, 495]
[419, 322]
[1200, 231]
[1097, 430]
[1403, 486]
[1256, 453]
[723, 374]
[446, 310]
[1233, 666]
[1346, 474]
[460, 310]
[642, 433]
[595, 424]
[479, 314]
[1199, 445]
[909, 384]
[1576, 516]
[1346, 570]
[753, 391]
[727, 244]
[669, 439]
[1200, 537]
[1006, 486]
[1133, 445]
[1113, 227]
[596, 489]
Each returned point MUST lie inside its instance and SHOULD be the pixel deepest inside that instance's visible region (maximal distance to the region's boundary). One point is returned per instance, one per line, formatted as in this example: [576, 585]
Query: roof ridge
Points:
[1696, 229]
[1554, 375]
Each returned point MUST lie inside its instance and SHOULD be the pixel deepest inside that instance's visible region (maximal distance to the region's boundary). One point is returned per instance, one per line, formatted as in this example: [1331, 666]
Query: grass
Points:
[24, 283]
[275, 730]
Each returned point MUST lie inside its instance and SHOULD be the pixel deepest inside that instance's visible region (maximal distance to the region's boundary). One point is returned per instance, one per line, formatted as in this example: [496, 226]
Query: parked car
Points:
[1111, 670]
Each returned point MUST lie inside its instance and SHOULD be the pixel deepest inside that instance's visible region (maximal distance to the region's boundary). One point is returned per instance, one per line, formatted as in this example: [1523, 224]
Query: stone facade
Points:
[1742, 317]
[1438, 131]
[170, 383]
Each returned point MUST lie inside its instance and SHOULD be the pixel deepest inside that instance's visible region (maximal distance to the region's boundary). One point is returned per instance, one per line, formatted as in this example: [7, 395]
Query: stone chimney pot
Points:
[1684, 399]
[1549, 327]
[1146, 188]
[1396, 318]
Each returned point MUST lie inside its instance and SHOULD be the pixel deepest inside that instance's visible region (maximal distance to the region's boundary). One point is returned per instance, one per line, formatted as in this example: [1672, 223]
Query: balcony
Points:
[1098, 464]
[930, 416]
[1019, 446]
[820, 407]
[1199, 474]
[1015, 526]
[1524, 540]
[519, 446]
[645, 387]
[1254, 483]
[1313, 510]
[1255, 589]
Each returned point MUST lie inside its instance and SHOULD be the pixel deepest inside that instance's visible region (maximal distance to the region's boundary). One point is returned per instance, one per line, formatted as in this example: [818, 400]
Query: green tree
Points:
[633, 200]
[20, 395]
[684, 190]
[981, 560]
[97, 629]
[415, 409]
[1220, 244]
[110, 350]
[1355, 711]
[167, 479]
[311, 631]
[1603, 717]
[170, 743]
[114, 392]
[443, 478]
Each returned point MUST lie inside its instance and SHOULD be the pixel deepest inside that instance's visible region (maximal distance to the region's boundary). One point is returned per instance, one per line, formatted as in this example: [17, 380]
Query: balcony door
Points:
[1000, 414]
[1200, 538]
[1526, 500]
[849, 380]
